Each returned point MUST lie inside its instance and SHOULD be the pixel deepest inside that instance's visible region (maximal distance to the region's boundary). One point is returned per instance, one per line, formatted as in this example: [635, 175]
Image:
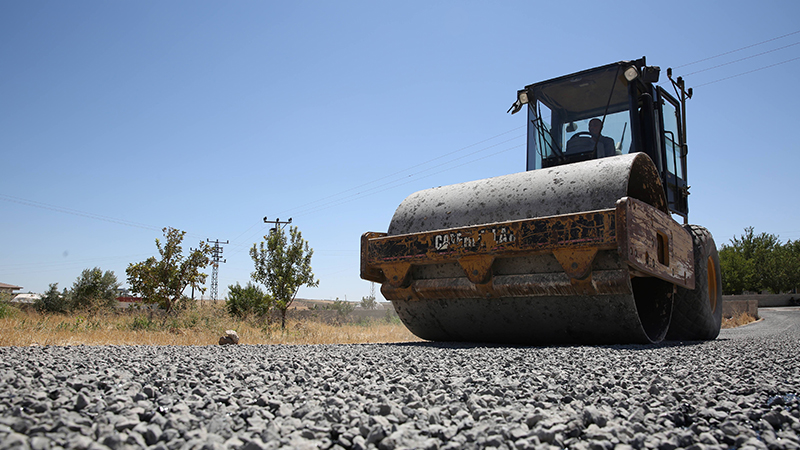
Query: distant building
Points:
[26, 298]
[9, 288]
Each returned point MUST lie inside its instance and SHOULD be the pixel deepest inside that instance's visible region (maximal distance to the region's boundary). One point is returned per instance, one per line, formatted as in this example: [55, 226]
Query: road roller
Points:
[591, 244]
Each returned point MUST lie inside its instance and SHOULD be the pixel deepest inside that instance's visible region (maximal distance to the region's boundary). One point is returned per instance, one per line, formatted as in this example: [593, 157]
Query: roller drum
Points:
[585, 186]
[637, 310]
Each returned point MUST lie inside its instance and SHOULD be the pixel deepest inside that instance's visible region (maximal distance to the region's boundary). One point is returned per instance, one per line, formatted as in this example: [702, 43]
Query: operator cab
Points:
[634, 115]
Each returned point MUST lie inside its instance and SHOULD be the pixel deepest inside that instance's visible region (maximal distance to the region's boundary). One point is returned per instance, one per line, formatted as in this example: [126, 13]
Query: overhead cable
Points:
[323, 199]
[737, 50]
[748, 72]
[75, 212]
[741, 59]
[401, 182]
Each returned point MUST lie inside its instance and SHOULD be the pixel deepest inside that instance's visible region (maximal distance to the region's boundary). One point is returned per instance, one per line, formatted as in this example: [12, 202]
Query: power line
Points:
[75, 212]
[748, 72]
[401, 181]
[742, 59]
[395, 183]
[388, 186]
[245, 231]
[324, 203]
[47, 267]
[327, 202]
[737, 50]
[279, 224]
[88, 215]
[320, 200]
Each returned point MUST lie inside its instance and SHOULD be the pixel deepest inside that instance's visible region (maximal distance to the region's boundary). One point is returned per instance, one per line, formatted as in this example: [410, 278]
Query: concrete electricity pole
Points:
[278, 224]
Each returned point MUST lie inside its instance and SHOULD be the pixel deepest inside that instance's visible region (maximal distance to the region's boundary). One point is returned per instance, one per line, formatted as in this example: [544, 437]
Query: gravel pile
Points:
[740, 391]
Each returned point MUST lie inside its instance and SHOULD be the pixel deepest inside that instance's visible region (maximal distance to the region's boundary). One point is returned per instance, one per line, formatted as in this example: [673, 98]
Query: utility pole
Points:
[191, 250]
[278, 224]
[216, 259]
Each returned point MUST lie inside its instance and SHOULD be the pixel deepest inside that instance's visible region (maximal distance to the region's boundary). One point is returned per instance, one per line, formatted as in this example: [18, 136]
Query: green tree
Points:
[788, 257]
[738, 272]
[163, 281]
[52, 301]
[754, 262]
[283, 266]
[248, 300]
[94, 289]
[369, 301]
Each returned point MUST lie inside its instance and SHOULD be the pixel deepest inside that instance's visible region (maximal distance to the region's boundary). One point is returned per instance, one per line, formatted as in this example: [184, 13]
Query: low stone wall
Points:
[767, 300]
[735, 307]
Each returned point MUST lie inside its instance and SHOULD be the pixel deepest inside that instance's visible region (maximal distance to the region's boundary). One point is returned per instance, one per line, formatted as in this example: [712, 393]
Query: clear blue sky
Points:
[120, 118]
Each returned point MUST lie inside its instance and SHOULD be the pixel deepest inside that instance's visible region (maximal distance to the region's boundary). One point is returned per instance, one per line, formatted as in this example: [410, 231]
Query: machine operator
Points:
[605, 145]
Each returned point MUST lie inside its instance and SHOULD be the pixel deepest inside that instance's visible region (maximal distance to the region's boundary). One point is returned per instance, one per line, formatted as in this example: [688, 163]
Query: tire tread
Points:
[692, 317]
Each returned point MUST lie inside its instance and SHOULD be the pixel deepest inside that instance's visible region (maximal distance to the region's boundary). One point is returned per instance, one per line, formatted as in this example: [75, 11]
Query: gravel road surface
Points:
[737, 392]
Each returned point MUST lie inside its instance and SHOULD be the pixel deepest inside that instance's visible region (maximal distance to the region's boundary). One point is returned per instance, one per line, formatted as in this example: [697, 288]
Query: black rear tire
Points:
[697, 313]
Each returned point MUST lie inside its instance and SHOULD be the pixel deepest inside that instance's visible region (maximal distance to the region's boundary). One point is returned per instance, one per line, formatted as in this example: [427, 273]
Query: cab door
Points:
[674, 153]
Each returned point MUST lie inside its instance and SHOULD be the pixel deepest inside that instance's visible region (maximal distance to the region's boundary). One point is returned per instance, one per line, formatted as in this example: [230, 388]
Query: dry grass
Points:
[737, 320]
[201, 326]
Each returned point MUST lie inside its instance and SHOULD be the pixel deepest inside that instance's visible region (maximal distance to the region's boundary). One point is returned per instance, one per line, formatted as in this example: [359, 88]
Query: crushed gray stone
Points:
[739, 391]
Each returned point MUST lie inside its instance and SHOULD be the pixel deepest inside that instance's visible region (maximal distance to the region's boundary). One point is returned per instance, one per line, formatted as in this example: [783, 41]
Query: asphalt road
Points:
[774, 322]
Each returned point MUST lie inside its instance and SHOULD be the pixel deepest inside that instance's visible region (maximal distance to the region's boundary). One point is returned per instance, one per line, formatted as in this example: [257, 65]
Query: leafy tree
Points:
[788, 257]
[738, 272]
[757, 262]
[244, 301]
[369, 301]
[283, 266]
[94, 289]
[163, 281]
[52, 301]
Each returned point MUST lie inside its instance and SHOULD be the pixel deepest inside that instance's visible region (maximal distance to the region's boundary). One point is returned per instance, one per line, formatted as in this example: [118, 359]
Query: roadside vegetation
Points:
[5, 305]
[261, 312]
[163, 281]
[759, 262]
[86, 313]
[93, 290]
[283, 265]
[202, 324]
[737, 320]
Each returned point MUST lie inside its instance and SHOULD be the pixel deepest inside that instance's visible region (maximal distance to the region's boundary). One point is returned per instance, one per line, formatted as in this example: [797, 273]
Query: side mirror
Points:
[571, 127]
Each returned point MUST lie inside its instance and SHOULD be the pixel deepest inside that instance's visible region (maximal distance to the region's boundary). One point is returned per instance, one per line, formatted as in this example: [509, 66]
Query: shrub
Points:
[5, 307]
[248, 300]
[52, 301]
[142, 323]
[369, 301]
[94, 290]
[343, 308]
